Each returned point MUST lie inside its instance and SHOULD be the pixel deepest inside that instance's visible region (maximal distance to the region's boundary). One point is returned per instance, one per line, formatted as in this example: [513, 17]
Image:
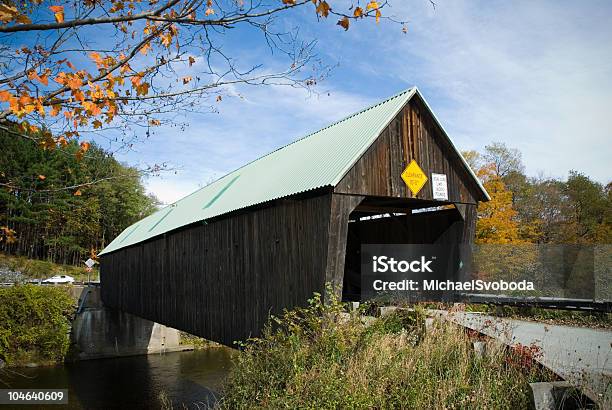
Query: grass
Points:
[322, 357]
[39, 269]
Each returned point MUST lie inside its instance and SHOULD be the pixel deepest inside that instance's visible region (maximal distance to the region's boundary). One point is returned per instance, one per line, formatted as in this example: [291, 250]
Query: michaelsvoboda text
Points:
[442, 285]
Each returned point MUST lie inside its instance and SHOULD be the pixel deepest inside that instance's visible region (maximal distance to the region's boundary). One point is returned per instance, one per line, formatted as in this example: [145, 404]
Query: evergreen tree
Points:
[60, 206]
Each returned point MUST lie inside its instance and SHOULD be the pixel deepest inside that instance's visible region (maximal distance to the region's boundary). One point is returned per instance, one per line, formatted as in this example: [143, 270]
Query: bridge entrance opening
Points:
[395, 222]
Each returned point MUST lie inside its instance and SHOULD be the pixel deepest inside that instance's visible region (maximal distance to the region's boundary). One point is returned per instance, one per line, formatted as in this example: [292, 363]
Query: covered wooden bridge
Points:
[266, 236]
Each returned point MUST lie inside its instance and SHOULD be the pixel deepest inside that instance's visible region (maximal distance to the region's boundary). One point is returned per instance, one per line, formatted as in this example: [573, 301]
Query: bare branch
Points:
[86, 22]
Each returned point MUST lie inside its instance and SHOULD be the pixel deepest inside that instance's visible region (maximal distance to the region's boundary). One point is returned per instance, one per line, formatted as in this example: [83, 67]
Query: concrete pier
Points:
[100, 332]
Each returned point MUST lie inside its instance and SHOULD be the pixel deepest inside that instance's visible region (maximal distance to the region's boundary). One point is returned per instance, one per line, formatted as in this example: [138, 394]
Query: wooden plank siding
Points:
[412, 134]
[222, 279]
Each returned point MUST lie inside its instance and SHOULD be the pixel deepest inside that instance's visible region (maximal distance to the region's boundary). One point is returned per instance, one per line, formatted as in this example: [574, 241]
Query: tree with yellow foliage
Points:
[496, 218]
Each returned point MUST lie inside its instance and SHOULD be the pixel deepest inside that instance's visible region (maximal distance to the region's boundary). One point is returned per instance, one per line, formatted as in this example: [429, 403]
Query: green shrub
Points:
[320, 357]
[34, 324]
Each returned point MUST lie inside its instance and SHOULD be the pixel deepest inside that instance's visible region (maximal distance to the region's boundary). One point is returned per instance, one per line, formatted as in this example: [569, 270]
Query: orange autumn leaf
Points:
[73, 82]
[145, 48]
[23, 19]
[209, 11]
[344, 23]
[219, 98]
[44, 79]
[25, 99]
[55, 109]
[7, 13]
[14, 104]
[372, 5]
[136, 79]
[42, 177]
[186, 80]
[378, 14]
[358, 12]
[62, 141]
[77, 192]
[142, 89]
[78, 95]
[39, 107]
[191, 61]
[85, 146]
[96, 58]
[5, 95]
[58, 12]
[7, 234]
[166, 39]
[92, 108]
[323, 9]
[61, 78]
[125, 68]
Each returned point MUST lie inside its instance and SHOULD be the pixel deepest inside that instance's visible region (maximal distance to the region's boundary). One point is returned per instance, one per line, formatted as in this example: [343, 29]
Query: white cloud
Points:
[245, 129]
[534, 75]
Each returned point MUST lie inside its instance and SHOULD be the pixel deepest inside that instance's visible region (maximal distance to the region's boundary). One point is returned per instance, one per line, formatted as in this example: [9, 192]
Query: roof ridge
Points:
[351, 116]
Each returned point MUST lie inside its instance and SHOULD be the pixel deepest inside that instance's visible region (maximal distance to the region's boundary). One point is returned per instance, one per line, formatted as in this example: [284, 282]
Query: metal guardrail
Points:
[543, 302]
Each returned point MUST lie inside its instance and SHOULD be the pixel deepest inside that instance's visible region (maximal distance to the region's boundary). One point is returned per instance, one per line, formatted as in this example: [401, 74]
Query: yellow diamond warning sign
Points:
[414, 177]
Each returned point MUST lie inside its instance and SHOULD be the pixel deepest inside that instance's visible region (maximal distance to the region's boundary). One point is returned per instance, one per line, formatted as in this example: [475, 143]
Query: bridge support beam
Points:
[341, 208]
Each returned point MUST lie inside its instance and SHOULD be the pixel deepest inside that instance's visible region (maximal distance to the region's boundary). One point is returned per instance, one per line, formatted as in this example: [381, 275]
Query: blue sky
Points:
[534, 75]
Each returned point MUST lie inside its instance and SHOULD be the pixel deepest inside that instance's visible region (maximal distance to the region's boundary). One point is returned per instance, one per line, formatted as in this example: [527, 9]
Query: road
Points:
[580, 355]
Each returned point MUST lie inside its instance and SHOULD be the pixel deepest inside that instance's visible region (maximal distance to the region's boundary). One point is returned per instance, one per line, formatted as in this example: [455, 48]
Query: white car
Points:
[59, 279]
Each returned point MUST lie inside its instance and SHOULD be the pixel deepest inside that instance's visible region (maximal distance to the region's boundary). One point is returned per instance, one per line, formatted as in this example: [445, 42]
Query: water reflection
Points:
[192, 379]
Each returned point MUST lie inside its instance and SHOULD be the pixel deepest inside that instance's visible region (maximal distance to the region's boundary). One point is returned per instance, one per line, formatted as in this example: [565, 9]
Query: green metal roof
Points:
[317, 160]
